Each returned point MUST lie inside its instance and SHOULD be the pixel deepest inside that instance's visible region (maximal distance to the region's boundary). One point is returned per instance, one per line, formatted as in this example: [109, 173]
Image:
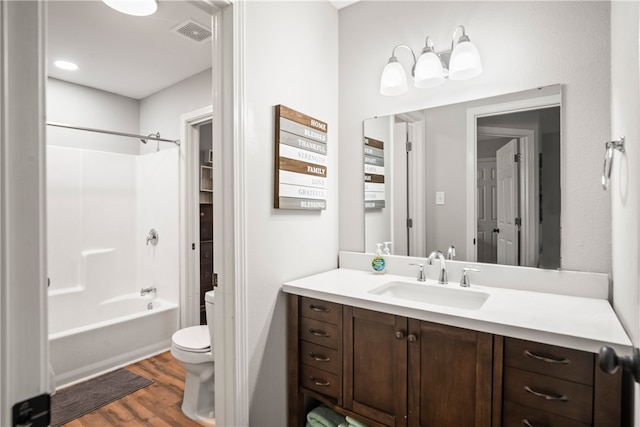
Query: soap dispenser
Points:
[387, 248]
[378, 264]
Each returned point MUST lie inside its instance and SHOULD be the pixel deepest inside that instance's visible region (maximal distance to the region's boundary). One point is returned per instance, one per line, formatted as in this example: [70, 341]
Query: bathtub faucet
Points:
[150, 289]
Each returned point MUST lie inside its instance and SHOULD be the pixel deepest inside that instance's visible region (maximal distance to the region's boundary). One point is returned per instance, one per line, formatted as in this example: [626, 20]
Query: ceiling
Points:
[127, 55]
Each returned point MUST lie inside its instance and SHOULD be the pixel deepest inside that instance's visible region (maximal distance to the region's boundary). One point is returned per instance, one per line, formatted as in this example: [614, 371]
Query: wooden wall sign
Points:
[300, 161]
[373, 173]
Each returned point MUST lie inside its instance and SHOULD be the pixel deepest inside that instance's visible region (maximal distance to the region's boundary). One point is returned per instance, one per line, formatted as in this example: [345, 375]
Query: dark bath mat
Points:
[79, 399]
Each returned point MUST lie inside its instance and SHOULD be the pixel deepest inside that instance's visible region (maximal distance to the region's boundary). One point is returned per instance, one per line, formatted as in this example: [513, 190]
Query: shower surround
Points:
[100, 208]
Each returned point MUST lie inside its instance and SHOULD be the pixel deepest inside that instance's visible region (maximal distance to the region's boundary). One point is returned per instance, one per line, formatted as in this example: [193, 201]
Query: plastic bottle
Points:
[378, 264]
[387, 248]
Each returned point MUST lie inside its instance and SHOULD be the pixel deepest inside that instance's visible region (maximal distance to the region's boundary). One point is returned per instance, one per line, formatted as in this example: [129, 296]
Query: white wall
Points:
[523, 45]
[290, 58]
[625, 185]
[161, 111]
[83, 106]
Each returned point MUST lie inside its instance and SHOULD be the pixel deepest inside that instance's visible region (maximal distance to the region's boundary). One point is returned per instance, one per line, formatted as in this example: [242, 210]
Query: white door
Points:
[507, 189]
[487, 239]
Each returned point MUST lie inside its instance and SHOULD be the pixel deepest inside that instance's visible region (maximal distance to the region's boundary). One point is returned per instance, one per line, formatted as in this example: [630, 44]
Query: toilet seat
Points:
[194, 339]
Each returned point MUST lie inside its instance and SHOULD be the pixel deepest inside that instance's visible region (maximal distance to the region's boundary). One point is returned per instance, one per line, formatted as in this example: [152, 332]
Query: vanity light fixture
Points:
[431, 68]
[133, 7]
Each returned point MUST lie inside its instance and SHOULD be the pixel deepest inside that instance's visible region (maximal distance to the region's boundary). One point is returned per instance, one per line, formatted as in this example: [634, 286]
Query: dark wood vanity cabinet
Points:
[555, 386]
[406, 372]
[206, 255]
[388, 370]
[450, 376]
[375, 365]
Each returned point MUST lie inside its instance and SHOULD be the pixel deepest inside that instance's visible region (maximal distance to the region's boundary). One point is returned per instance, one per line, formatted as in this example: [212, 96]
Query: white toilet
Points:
[192, 347]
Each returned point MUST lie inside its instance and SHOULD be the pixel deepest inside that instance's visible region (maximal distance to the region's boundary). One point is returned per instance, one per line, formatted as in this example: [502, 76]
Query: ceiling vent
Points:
[193, 31]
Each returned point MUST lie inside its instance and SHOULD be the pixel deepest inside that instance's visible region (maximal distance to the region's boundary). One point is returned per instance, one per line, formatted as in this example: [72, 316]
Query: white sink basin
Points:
[445, 295]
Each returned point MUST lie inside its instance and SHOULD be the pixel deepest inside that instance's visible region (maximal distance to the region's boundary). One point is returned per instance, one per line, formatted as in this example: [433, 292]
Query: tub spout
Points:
[151, 289]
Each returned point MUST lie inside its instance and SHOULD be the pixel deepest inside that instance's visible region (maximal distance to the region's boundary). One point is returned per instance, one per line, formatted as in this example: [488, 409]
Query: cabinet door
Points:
[450, 372]
[375, 365]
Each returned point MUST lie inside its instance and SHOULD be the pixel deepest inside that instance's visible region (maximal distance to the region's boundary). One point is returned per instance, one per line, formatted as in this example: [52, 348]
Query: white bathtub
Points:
[88, 339]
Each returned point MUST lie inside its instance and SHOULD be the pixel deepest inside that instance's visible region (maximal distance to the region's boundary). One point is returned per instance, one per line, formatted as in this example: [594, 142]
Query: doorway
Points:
[519, 201]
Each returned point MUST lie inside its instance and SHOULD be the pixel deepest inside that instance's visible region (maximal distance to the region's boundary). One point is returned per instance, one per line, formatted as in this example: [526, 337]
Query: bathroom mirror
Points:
[481, 177]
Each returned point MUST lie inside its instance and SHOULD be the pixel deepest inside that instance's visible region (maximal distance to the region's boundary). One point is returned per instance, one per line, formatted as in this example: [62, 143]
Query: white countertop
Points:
[568, 321]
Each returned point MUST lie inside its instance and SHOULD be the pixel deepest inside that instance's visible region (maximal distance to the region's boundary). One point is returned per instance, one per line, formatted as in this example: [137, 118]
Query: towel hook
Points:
[618, 144]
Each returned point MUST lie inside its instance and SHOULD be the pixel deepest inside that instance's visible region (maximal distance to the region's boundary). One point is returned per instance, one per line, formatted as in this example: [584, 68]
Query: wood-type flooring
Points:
[157, 405]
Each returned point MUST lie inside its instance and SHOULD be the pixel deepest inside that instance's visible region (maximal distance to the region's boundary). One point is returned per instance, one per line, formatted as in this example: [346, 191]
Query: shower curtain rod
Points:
[111, 132]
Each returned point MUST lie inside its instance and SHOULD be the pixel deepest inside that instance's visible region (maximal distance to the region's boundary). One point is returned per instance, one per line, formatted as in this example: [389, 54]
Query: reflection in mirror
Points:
[479, 179]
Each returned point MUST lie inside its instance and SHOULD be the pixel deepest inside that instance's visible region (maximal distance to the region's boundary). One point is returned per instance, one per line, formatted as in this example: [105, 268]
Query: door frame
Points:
[24, 350]
[472, 128]
[528, 182]
[189, 205]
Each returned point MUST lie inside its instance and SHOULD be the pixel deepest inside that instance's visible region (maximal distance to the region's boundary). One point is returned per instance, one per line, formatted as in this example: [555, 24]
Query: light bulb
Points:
[394, 79]
[428, 71]
[133, 7]
[465, 61]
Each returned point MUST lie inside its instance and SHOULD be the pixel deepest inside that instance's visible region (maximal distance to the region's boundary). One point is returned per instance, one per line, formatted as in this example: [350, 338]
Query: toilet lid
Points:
[195, 339]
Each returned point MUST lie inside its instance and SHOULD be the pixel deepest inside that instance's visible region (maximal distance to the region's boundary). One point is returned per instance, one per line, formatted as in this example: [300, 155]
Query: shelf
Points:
[206, 178]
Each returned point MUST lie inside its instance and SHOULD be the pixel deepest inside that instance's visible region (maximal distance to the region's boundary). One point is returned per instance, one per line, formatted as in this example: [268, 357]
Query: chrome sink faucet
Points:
[421, 277]
[442, 278]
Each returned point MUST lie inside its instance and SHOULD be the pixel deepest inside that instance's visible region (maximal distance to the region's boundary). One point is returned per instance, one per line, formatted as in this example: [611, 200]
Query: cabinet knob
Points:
[412, 338]
[609, 362]
[399, 335]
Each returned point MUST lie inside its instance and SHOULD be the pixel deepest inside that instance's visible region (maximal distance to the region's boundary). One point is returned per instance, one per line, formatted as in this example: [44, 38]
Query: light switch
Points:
[439, 197]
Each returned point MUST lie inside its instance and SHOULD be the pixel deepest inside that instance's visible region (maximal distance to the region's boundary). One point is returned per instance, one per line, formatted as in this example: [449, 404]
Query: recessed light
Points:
[133, 7]
[66, 65]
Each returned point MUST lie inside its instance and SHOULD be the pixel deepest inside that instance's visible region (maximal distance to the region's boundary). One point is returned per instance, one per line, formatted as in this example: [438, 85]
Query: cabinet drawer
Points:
[559, 362]
[565, 398]
[321, 310]
[322, 333]
[320, 381]
[320, 357]
[522, 416]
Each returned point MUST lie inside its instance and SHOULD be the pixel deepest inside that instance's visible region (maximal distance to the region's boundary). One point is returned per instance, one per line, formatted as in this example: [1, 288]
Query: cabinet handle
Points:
[319, 358]
[526, 423]
[319, 333]
[563, 361]
[201, 213]
[557, 397]
[321, 383]
[399, 335]
[412, 338]
[319, 308]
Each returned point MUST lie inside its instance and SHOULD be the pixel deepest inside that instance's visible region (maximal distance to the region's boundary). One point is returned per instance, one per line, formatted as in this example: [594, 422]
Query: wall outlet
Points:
[439, 197]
